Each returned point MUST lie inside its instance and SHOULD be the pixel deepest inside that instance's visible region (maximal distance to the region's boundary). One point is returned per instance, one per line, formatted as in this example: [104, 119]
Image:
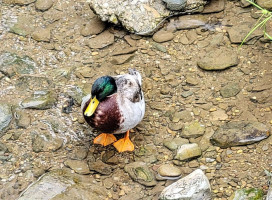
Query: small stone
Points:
[102, 40]
[5, 117]
[159, 47]
[187, 94]
[139, 172]
[191, 80]
[42, 35]
[239, 133]
[118, 60]
[218, 59]
[265, 4]
[194, 186]
[78, 166]
[100, 167]
[218, 115]
[230, 90]
[190, 21]
[40, 100]
[169, 170]
[93, 27]
[163, 36]
[22, 119]
[193, 130]
[175, 143]
[80, 153]
[23, 2]
[24, 25]
[123, 51]
[188, 151]
[43, 5]
[130, 41]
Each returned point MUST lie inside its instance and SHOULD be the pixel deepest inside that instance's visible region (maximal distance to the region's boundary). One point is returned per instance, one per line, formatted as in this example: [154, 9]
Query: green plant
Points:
[266, 15]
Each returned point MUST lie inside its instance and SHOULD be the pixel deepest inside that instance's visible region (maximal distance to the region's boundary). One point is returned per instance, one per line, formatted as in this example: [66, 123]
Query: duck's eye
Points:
[130, 83]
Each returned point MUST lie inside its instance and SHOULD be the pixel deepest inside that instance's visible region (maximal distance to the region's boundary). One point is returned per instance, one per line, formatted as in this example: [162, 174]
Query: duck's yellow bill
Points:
[91, 107]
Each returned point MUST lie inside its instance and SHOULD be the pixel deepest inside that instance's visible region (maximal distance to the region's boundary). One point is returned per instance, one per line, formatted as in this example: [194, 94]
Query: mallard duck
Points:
[115, 105]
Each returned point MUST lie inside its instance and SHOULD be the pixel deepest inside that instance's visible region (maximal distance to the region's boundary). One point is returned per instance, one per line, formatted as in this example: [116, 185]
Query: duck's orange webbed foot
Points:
[104, 139]
[124, 144]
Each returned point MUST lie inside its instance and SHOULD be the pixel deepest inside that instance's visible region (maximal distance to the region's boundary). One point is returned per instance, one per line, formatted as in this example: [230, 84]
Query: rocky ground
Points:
[195, 81]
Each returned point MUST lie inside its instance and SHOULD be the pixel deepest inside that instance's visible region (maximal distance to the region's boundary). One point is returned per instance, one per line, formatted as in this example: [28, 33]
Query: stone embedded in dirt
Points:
[78, 166]
[175, 126]
[19, 2]
[130, 41]
[79, 153]
[5, 117]
[11, 64]
[22, 118]
[147, 16]
[175, 143]
[218, 115]
[163, 36]
[230, 90]
[125, 50]
[100, 167]
[218, 59]
[238, 32]
[62, 184]
[266, 4]
[159, 47]
[214, 6]
[167, 170]
[188, 151]
[193, 130]
[244, 3]
[191, 80]
[102, 40]
[193, 186]
[40, 100]
[186, 94]
[261, 97]
[43, 5]
[42, 34]
[26, 83]
[24, 25]
[184, 116]
[93, 27]
[252, 193]
[239, 133]
[44, 141]
[118, 60]
[175, 5]
[139, 172]
[190, 22]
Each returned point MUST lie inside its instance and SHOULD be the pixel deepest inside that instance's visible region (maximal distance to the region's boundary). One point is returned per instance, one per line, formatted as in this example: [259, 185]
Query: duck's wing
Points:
[129, 86]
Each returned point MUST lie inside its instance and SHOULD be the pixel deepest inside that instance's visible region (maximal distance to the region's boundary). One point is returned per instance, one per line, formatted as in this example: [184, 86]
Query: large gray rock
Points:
[63, 185]
[5, 117]
[143, 17]
[239, 133]
[244, 194]
[195, 186]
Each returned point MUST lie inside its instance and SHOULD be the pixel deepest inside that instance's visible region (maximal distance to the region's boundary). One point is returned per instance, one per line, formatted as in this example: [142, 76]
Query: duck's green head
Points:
[102, 87]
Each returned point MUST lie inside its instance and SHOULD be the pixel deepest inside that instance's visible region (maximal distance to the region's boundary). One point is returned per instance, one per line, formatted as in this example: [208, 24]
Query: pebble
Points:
[78, 166]
[102, 40]
[169, 170]
[163, 36]
[42, 34]
[188, 151]
[193, 130]
[43, 5]
[100, 167]
[93, 27]
[230, 90]
[173, 144]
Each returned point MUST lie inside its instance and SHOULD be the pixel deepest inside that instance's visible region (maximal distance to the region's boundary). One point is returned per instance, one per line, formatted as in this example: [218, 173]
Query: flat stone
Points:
[11, 64]
[139, 172]
[100, 167]
[239, 133]
[22, 119]
[194, 186]
[175, 143]
[230, 90]
[40, 100]
[163, 36]
[214, 6]
[218, 59]
[130, 41]
[218, 115]
[188, 151]
[93, 27]
[169, 170]
[252, 193]
[186, 94]
[78, 166]
[24, 25]
[102, 40]
[176, 126]
[184, 116]
[43, 5]
[175, 5]
[22, 2]
[62, 184]
[193, 130]
[190, 22]
[123, 51]
[5, 117]
[118, 60]
[42, 34]
[44, 141]
[266, 4]
[36, 83]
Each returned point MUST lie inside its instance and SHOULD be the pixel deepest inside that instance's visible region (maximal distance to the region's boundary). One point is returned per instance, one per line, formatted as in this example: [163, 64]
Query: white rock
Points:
[195, 186]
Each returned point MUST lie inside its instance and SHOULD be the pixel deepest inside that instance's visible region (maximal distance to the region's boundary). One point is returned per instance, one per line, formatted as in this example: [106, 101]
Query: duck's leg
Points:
[104, 139]
[124, 144]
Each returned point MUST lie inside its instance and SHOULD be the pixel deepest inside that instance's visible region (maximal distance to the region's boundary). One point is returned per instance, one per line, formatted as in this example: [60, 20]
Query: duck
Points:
[115, 106]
